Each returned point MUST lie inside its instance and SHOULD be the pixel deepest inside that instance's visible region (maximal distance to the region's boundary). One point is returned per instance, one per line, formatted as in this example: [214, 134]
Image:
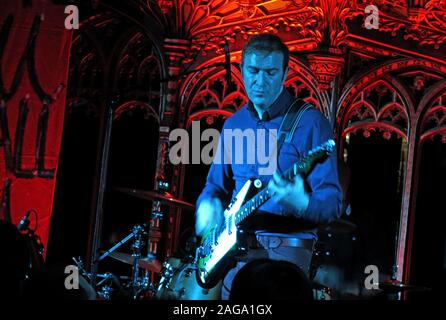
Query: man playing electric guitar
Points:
[283, 227]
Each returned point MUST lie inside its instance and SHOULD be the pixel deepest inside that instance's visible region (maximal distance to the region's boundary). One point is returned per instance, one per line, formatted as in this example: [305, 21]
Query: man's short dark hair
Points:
[271, 280]
[267, 42]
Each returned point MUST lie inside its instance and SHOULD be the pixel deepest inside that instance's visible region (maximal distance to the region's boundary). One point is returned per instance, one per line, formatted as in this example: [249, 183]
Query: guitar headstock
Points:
[315, 155]
[325, 148]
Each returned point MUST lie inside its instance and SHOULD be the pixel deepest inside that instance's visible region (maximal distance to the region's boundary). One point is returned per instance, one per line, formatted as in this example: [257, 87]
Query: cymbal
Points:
[163, 197]
[338, 226]
[395, 286]
[150, 264]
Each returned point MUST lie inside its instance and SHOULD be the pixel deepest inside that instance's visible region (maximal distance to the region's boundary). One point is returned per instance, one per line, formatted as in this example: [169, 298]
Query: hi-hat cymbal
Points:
[338, 226]
[150, 264]
[163, 197]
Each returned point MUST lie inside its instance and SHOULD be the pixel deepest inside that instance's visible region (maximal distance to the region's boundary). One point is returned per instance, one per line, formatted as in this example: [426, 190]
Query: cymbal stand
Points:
[154, 229]
[104, 287]
[120, 243]
[138, 286]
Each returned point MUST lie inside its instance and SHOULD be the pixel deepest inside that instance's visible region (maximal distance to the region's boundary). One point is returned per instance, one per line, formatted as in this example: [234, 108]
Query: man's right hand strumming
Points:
[208, 215]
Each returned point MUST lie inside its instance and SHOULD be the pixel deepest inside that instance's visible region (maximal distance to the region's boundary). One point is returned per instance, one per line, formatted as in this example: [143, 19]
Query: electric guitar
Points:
[219, 244]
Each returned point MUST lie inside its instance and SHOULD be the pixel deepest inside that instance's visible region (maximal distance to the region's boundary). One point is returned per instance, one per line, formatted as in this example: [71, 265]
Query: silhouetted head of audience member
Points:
[56, 282]
[265, 279]
[15, 259]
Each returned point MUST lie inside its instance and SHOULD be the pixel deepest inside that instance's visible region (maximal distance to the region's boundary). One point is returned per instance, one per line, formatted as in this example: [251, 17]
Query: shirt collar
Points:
[278, 107]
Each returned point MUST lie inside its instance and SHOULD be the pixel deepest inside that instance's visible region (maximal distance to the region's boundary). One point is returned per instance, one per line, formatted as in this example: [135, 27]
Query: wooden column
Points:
[327, 67]
[175, 50]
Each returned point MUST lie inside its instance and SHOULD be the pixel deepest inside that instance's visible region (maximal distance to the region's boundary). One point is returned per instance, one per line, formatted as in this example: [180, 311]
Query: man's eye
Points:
[272, 73]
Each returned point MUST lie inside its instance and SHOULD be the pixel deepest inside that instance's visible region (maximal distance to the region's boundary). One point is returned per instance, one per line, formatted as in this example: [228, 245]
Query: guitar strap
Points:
[290, 122]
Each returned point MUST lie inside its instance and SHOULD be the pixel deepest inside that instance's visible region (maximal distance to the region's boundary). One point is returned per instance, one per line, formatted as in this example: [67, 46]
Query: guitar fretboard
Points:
[303, 167]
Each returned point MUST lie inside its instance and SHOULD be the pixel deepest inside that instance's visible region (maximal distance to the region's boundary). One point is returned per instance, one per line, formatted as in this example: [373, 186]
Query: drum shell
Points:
[183, 285]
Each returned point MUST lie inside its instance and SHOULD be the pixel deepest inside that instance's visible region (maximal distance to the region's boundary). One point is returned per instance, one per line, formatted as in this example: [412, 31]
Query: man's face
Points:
[263, 76]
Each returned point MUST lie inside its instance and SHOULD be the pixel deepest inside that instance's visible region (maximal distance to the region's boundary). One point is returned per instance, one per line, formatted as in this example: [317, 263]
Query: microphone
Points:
[227, 63]
[24, 223]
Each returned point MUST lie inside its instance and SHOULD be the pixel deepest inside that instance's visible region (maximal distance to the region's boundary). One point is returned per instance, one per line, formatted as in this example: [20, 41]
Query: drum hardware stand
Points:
[135, 230]
[154, 229]
[136, 248]
[166, 275]
[107, 278]
[107, 288]
[157, 214]
[139, 285]
[81, 268]
[158, 197]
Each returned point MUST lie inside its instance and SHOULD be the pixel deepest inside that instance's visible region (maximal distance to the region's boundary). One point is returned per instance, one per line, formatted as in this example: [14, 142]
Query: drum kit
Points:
[149, 279]
[175, 279]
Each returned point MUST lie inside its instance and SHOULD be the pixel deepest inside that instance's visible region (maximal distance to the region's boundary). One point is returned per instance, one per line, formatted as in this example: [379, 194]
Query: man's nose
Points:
[261, 78]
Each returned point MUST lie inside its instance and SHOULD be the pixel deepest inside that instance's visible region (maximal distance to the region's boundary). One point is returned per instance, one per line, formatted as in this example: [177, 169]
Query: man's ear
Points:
[285, 73]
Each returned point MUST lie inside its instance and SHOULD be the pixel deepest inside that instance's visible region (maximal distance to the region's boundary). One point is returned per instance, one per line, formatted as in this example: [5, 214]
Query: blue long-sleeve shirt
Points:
[225, 179]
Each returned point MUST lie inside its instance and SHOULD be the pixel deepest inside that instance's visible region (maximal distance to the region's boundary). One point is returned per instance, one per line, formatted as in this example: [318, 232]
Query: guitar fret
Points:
[302, 167]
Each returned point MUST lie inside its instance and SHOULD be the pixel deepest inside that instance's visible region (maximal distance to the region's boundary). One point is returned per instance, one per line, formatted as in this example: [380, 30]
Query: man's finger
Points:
[298, 182]
[278, 179]
[272, 188]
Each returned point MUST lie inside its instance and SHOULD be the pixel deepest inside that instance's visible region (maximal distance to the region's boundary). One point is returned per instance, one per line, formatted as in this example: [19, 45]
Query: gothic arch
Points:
[93, 41]
[209, 88]
[119, 50]
[140, 17]
[431, 113]
[388, 72]
[357, 83]
[148, 110]
[129, 59]
[300, 79]
[391, 116]
[147, 18]
[87, 39]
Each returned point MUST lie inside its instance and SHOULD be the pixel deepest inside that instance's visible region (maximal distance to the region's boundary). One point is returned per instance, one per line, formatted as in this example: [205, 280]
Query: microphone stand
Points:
[33, 242]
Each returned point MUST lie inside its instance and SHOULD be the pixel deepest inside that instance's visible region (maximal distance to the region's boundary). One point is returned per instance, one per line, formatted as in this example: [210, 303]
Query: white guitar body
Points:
[226, 241]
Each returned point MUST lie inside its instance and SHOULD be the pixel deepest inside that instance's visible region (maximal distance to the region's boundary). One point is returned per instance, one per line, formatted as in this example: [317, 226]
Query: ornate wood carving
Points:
[138, 70]
[207, 92]
[424, 23]
[434, 120]
[326, 68]
[378, 106]
[358, 83]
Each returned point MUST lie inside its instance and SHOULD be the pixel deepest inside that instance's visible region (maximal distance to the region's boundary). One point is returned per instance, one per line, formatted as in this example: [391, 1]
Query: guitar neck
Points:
[302, 168]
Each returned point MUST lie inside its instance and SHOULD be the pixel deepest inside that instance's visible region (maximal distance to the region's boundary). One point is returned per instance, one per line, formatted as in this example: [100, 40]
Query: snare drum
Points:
[178, 282]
